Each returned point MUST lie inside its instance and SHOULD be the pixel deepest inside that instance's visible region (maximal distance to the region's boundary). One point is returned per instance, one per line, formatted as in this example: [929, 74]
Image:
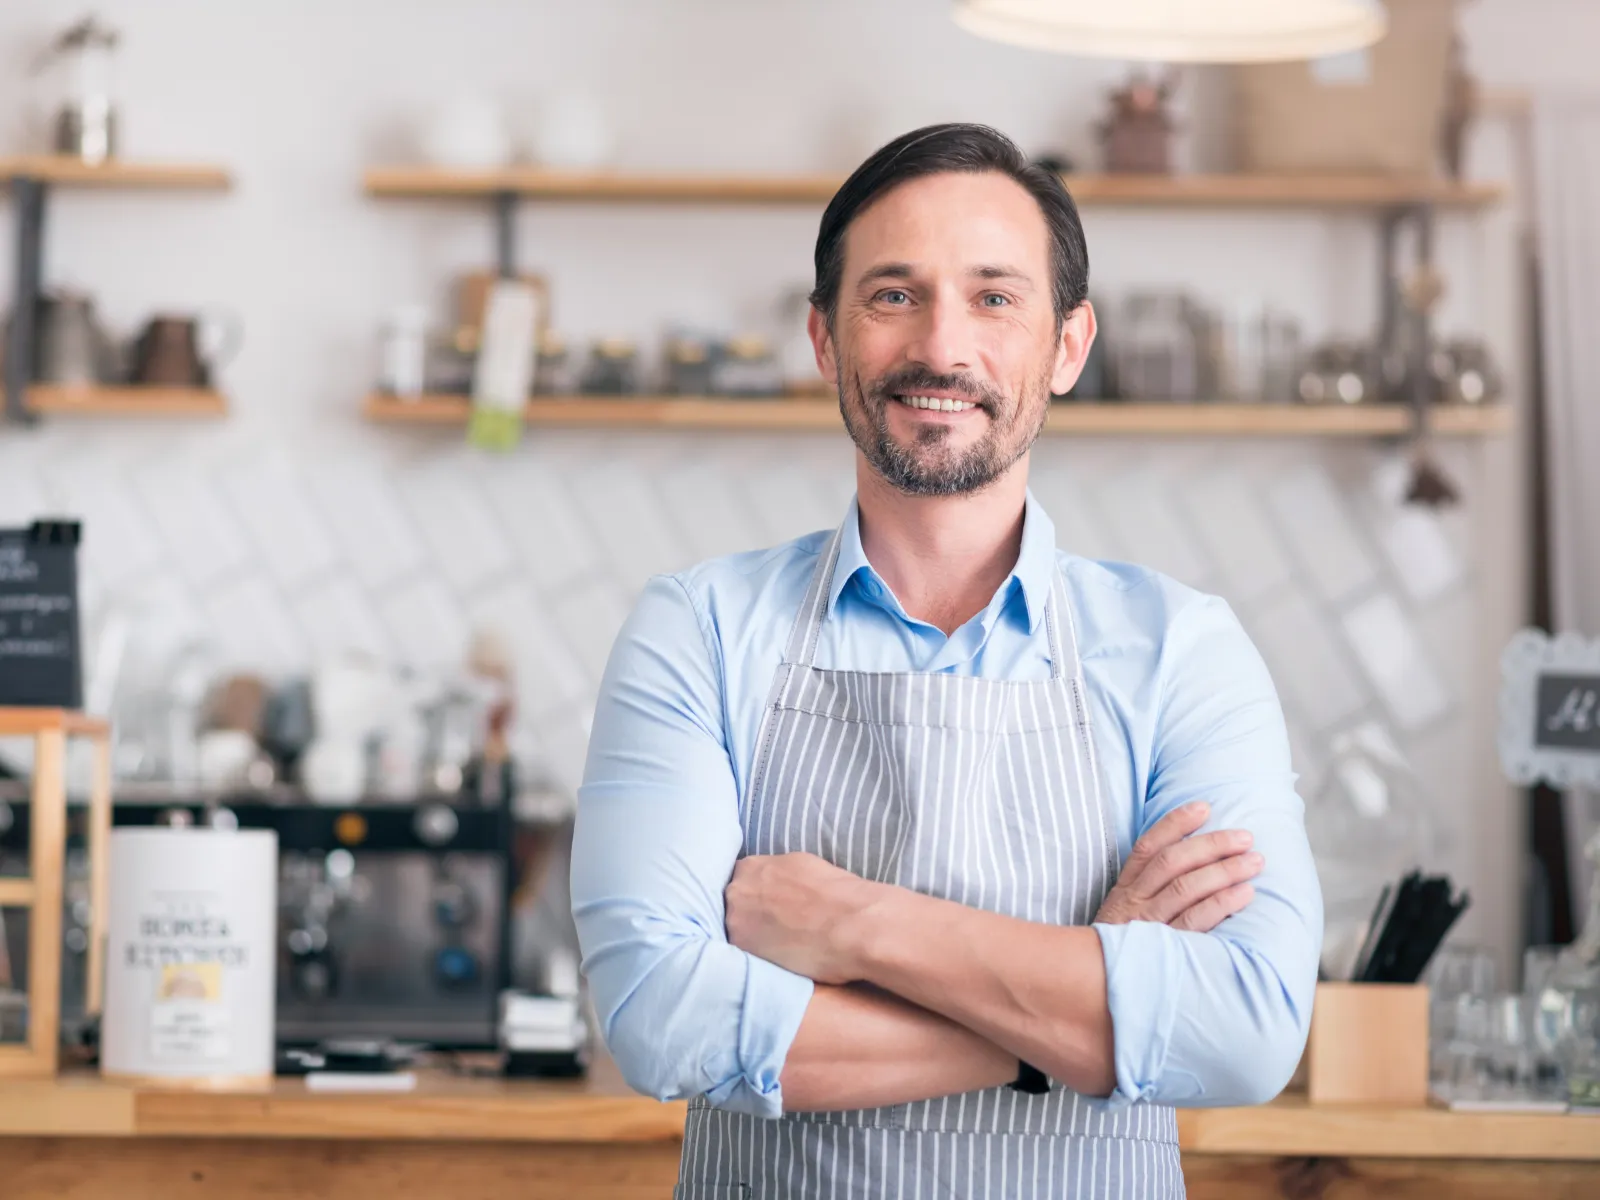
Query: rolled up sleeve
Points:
[1219, 1018]
[683, 1012]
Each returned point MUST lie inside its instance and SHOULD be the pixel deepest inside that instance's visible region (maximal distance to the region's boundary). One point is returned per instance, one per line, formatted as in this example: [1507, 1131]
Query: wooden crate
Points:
[41, 892]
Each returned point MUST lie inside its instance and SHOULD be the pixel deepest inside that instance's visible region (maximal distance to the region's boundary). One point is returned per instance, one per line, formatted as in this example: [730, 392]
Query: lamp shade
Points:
[1179, 31]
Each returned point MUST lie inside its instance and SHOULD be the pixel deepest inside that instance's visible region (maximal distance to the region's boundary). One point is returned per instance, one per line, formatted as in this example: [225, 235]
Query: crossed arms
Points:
[709, 980]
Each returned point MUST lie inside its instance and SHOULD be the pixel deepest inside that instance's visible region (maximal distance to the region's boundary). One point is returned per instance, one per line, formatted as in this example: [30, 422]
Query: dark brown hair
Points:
[958, 148]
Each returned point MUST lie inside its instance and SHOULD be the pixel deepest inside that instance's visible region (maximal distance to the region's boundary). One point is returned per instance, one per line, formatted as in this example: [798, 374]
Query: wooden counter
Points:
[462, 1136]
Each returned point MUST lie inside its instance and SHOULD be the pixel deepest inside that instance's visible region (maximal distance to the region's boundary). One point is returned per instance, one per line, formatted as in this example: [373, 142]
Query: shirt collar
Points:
[1034, 572]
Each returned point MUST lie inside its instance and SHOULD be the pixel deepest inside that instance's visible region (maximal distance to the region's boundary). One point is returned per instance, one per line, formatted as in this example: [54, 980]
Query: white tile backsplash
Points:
[625, 514]
[542, 520]
[1142, 517]
[1311, 668]
[339, 619]
[1078, 531]
[361, 507]
[204, 542]
[22, 496]
[458, 524]
[1225, 511]
[794, 493]
[426, 624]
[268, 496]
[589, 620]
[253, 626]
[550, 675]
[1388, 649]
[119, 535]
[713, 517]
[1321, 534]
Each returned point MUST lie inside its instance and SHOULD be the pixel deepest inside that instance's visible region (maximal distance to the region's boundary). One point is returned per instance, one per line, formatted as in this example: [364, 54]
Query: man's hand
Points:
[792, 909]
[1192, 883]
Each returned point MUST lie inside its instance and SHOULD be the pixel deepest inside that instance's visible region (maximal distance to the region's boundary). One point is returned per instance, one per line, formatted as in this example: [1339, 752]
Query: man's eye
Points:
[996, 300]
[894, 296]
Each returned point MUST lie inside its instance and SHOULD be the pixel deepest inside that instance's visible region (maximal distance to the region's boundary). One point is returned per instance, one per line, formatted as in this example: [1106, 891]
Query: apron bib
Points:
[981, 791]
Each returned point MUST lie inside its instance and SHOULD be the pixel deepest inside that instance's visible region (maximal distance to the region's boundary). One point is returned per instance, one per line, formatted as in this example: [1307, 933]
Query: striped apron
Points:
[980, 791]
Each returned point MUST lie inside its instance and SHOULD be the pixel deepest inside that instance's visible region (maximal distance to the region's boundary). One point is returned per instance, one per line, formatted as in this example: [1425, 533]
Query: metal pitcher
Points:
[73, 347]
[69, 345]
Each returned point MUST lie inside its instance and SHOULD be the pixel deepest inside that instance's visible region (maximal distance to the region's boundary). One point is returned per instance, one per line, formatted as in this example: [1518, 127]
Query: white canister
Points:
[191, 962]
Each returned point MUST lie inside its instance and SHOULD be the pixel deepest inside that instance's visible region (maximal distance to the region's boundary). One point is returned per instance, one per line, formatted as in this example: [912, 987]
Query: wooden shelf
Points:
[72, 173]
[1104, 419]
[129, 401]
[1204, 191]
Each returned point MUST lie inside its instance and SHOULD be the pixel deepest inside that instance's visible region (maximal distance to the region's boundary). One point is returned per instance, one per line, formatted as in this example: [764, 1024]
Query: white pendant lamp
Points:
[1180, 31]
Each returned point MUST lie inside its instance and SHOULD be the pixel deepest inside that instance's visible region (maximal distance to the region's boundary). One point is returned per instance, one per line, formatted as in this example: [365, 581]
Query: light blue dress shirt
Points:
[1182, 709]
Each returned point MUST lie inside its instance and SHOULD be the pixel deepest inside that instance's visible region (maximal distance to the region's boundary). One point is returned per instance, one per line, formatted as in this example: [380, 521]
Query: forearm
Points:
[1036, 991]
[859, 1047]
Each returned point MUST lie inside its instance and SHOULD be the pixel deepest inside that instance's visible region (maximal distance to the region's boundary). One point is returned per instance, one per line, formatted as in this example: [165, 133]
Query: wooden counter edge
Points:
[410, 1116]
[451, 1109]
[65, 1108]
[442, 1108]
[1291, 1127]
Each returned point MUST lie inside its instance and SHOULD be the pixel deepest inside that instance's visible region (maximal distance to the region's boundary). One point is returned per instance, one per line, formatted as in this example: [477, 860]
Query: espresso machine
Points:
[395, 921]
[396, 924]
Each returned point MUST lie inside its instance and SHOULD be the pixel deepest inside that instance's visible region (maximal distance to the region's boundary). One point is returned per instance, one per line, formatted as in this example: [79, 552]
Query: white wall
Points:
[293, 529]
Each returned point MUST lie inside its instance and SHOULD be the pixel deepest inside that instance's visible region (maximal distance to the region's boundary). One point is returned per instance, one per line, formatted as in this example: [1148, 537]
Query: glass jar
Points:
[404, 368]
[1580, 1051]
[1157, 350]
[1339, 372]
[452, 361]
[554, 371]
[688, 367]
[84, 120]
[747, 367]
[613, 368]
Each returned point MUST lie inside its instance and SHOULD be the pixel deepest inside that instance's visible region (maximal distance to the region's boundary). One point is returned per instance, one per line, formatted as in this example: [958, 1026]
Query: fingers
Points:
[1190, 855]
[1193, 887]
[1214, 910]
[1169, 831]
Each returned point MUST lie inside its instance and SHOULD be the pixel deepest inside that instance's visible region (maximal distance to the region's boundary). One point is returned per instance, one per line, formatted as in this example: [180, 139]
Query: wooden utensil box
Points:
[1369, 1044]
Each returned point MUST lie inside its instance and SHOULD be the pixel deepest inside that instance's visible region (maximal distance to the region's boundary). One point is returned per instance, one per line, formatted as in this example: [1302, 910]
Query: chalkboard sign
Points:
[40, 656]
[1550, 709]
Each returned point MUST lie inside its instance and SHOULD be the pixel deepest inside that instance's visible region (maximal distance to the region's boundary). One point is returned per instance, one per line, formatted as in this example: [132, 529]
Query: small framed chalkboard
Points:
[40, 654]
[1550, 709]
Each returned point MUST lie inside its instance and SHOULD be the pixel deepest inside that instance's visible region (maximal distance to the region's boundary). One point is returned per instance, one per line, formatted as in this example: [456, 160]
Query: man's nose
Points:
[943, 340]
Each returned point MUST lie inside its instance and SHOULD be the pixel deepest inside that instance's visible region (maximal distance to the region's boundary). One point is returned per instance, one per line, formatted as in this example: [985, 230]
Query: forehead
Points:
[950, 221]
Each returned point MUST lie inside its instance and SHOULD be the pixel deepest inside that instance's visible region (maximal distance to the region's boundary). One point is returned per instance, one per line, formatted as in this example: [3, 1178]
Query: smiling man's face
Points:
[945, 343]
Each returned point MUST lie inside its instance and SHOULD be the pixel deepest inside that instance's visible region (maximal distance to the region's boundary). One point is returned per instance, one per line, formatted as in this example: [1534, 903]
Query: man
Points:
[926, 859]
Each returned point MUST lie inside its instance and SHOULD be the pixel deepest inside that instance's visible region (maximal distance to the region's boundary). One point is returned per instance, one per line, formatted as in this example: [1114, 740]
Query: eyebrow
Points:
[1000, 271]
[903, 270]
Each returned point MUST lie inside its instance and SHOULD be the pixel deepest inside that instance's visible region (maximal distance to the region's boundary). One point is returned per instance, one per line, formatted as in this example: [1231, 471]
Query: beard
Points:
[929, 465]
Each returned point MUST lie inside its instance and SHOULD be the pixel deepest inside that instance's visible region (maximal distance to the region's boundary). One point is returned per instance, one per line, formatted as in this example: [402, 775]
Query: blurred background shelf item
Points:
[1073, 416]
[65, 171]
[1270, 190]
[132, 401]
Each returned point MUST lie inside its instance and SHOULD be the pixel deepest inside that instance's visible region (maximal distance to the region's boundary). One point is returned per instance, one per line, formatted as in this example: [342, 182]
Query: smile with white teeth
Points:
[936, 403]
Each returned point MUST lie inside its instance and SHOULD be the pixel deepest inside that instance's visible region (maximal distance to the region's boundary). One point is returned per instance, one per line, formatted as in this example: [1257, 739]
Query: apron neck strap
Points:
[802, 648]
[807, 628]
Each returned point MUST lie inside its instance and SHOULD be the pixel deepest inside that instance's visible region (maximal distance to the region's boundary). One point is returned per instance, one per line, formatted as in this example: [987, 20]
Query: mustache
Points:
[913, 380]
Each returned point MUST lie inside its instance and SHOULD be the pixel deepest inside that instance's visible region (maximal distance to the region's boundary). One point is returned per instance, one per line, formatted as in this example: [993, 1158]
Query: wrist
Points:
[858, 938]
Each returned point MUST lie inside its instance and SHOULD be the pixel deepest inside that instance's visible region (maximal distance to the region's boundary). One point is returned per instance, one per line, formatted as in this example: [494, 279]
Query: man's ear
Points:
[1072, 348]
[822, 343]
